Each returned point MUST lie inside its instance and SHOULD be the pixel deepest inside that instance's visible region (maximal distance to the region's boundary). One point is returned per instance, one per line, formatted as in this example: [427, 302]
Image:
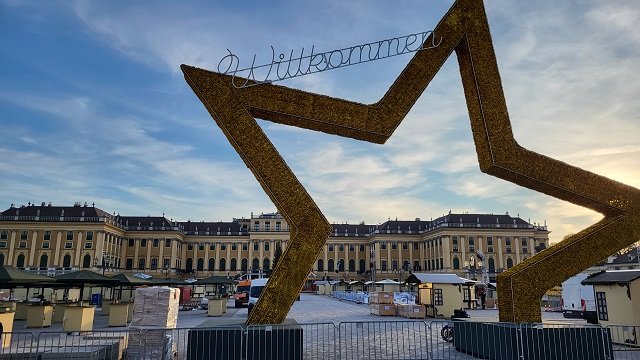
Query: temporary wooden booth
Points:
[442, 293]
[617, 296]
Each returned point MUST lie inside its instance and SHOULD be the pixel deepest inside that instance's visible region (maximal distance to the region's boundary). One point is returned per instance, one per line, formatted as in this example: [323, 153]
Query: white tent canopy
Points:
[441, 278]
[387, 282]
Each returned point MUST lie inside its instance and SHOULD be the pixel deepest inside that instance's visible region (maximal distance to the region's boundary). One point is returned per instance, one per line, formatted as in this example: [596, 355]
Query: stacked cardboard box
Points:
[381, 297]
[382, 309]
[155, 313]
[412, 311]
[381, 303]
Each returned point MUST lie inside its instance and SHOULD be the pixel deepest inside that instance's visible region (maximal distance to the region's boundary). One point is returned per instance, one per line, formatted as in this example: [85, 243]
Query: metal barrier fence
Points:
[326, 341]
[626, 341]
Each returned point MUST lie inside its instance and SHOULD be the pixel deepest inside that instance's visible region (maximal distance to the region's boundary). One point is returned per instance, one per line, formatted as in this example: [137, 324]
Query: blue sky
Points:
[93, 107]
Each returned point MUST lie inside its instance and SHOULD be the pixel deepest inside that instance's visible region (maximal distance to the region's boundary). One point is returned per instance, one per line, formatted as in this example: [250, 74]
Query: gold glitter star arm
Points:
[521, 287]
[309, 228]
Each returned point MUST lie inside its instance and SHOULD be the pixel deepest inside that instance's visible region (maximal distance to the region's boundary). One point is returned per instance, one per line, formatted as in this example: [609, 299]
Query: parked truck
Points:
[241, 296]
[578, 300]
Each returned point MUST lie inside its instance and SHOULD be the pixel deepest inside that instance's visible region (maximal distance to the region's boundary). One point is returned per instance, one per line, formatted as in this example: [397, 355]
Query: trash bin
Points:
[215, 307]
[96, 299]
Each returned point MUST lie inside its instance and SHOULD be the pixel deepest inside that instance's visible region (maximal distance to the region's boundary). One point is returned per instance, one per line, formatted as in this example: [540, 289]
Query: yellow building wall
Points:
[619, 307]
[635, 300]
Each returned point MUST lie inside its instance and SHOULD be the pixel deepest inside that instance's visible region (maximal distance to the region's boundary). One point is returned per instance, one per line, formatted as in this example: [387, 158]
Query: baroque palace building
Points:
[54, 239]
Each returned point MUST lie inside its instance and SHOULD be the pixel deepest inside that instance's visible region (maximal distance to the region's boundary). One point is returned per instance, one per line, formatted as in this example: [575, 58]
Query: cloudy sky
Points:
[93, 107]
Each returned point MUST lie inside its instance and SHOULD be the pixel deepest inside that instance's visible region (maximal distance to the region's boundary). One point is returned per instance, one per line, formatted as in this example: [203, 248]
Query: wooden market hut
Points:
[443, 293]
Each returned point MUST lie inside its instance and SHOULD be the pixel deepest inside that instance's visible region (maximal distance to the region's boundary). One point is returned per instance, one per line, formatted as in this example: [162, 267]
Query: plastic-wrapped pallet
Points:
[151, 344]
[156, 307]
[155, 313]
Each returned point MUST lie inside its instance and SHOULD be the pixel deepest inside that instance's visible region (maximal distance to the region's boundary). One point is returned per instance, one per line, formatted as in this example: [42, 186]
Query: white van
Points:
[256, 289]
[578, 300]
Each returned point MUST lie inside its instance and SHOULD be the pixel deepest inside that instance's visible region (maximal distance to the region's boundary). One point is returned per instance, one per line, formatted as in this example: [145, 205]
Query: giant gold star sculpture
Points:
[464, 29]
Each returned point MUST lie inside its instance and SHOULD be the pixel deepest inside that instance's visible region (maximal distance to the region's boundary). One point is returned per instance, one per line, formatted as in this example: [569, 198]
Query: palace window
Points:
[256, 226]
[46, 245]
[383, 265]
[201, 246]
[341, 247]
[47, 235]
[190, 246]
[132, 242]
[4, 235]
[266, 246]
[352, 247]
[22, 245]
[330, 247]
[167, 242]
[68, 245]
[415, 246]
[362, 248]
[88, 245]
[156, 242]
[141, 263]
[143, 242]
[489, 240]
[245, 246]
[223, 246]
[278, 226]
[256, 246]
[267, 226]
[212, 247]
[69, 235]
[3, 244]
[24, 234]
[394, 245]
[234, 246]
[383, 245]
[89, 235]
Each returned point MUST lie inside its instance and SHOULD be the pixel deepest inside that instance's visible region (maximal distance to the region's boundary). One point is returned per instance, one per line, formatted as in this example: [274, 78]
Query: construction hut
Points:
[322, 287]
[443, 293]
[369, 286]
[355, 286]
[387, 285]
[617, 295]
[339, 285]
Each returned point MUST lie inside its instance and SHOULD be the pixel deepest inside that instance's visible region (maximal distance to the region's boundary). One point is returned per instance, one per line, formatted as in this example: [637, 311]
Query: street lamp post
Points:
[470, 267]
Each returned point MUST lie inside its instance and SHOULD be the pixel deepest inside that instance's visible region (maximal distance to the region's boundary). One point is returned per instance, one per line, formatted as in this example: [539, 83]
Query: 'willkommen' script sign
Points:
[281, 68]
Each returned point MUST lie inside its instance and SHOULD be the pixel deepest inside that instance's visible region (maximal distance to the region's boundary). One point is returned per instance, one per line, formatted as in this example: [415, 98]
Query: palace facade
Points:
[54, 239]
